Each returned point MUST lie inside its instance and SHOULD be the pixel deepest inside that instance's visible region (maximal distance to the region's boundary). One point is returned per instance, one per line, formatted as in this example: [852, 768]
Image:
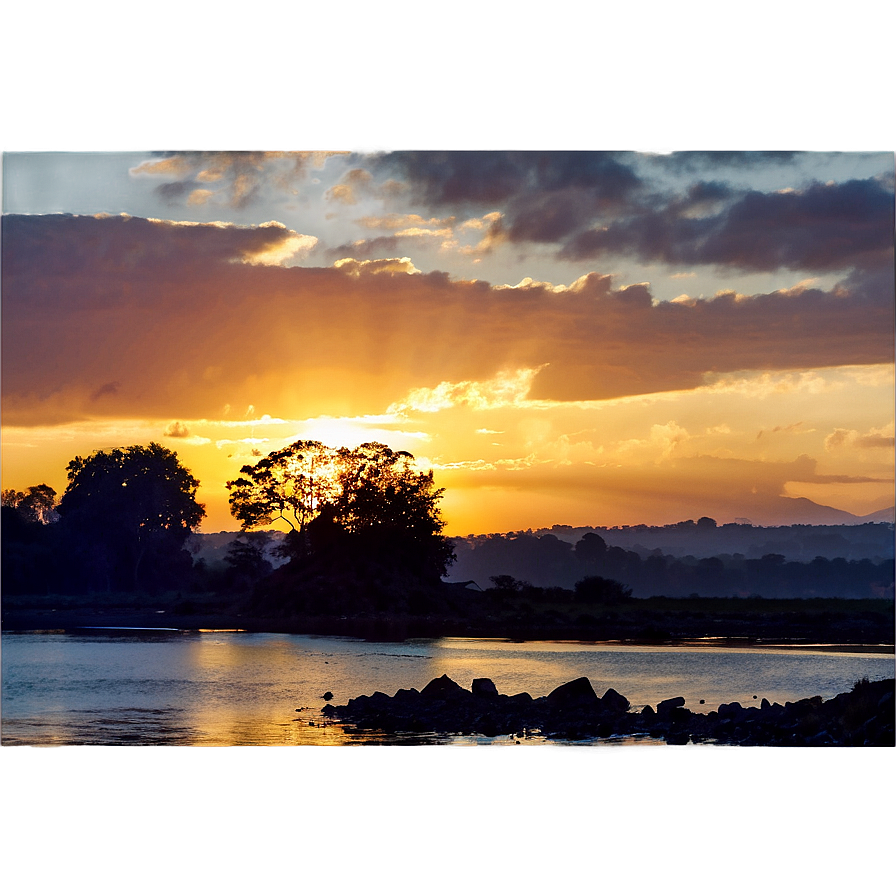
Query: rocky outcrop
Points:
[573, 711]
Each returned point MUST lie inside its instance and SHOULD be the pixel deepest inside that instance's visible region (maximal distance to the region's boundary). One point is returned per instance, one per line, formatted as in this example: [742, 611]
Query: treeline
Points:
[121, 525]
[705, 538]
[125, 521]
[547, 561]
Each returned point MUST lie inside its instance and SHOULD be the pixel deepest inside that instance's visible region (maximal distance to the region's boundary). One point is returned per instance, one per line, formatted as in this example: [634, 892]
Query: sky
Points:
[584, 338]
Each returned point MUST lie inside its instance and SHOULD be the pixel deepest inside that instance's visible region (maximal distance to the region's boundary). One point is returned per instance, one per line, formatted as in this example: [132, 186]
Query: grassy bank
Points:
[654, 620]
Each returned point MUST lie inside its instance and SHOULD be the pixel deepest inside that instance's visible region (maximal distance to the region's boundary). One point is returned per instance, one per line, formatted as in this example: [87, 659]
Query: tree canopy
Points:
[369, 500]
[37, 505]
[128, 508]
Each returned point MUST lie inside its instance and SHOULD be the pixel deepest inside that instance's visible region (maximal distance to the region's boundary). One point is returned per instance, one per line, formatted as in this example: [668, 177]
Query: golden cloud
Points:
[154, 306]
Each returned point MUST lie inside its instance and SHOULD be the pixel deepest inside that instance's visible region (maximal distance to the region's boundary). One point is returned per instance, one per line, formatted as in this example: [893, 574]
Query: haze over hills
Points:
[879, 516]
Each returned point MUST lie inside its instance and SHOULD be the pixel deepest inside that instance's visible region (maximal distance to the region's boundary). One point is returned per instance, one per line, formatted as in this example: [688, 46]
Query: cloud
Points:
[200, 197]
[456, 178]
[695, 160]
[354, 268]
[177, 430]
[876, 437]
[119, 247]
[508, 388]
[591, 205]
[175, 191]
[185, 318]
[547, 196]
[172, 166]
[404, 240]
[106, 389]
[402, 222]
[343, 193]
[232, 179]
[824, 227]
[367, 249]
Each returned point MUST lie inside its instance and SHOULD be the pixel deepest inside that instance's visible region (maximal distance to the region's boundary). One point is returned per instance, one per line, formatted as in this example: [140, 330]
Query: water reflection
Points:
[234, 688]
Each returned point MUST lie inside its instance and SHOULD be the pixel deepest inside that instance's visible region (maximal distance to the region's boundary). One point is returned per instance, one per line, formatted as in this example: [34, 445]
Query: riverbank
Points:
[799, 624]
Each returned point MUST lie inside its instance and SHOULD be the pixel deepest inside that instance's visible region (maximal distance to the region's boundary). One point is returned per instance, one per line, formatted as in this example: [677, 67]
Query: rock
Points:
[577, 691]
[523, 699]
[406, 695]
[484, 687]
[443, 688]
[664, 707]
[327, 696]
[765, 704]
[614, 702]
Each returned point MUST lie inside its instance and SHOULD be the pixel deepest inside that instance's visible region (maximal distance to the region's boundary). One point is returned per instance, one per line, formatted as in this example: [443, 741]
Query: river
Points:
[157, 687]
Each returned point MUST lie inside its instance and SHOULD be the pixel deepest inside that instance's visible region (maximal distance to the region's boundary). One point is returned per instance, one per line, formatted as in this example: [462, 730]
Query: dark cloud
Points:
[485, 178]
[546, 196]
[451, 178]
[106, 389]
[826, 227]
[548, 217]
[378, 247]
[122, 245]
[597, 205]
[695, 160]
[165, 309]
[175, 191]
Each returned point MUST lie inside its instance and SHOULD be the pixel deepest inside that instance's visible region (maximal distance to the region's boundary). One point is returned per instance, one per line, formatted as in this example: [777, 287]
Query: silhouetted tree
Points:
[590, 548]
[367, 502]
[598, 590]
[291, 484]
[246, 558]
[126, 509]
[37, 505]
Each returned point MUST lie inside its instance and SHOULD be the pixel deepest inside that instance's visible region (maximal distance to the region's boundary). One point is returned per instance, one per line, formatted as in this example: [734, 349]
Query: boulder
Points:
[729, 710]
[443, 688]
[406, 695]
[484, 687]
[664, 707]
[614, 702]
[578, 691]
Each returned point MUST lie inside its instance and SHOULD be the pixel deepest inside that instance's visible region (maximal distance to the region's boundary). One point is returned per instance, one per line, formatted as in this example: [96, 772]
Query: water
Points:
[236, 688]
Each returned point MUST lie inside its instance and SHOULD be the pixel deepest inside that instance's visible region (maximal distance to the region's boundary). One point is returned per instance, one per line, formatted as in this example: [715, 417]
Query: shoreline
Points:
[574, 712]
[62, 623]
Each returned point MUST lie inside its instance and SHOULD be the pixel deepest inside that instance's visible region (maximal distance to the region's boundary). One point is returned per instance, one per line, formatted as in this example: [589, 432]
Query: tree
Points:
[126, 509]
[29, 547]
[598, 590]
[37, 505]
[289, 485]
[366, 502]
[246, 558]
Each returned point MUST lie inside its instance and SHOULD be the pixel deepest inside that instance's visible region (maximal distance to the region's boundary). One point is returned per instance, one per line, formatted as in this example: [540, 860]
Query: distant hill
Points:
[879, 516]
[784, 511]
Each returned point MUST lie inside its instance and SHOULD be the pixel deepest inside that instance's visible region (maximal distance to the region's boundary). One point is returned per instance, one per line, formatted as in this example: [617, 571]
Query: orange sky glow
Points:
[578, 338]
